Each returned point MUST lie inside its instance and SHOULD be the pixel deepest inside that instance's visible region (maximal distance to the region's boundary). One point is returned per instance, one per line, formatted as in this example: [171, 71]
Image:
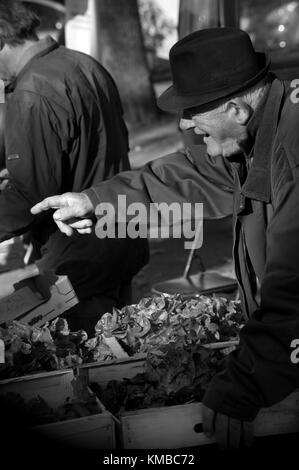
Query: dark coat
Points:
[64, 131]
[262, 192]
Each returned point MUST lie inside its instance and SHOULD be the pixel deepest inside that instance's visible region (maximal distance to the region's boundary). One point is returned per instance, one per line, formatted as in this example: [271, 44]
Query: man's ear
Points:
[239, 110]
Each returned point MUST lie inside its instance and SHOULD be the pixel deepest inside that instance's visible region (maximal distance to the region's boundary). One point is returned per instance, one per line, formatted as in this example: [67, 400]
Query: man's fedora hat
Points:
[210, 65]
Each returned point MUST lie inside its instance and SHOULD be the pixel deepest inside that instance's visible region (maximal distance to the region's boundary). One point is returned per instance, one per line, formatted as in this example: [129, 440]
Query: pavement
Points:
[153, 141]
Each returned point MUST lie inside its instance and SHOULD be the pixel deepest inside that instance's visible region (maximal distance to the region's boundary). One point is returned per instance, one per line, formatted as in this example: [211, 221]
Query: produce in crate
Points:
[36, 411]
[162, 319]
[175, 374]
[174, 332]
[30, 349]
[140, 328]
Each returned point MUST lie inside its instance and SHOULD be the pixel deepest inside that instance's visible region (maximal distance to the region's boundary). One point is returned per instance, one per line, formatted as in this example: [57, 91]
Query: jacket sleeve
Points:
[37, 136]
[261, 371]
[189, 176]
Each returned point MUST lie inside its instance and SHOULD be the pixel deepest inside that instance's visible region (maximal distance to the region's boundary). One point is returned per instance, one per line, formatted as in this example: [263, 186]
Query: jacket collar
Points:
[258, 184]
[255, 120]
[38, 49]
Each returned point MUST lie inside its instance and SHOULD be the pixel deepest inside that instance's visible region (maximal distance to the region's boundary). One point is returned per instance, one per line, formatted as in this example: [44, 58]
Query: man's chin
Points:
[225, 151]
[214, 152]
[232, 152]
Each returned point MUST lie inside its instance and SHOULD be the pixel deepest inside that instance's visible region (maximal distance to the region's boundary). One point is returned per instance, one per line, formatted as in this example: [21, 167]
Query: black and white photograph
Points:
[149, 232]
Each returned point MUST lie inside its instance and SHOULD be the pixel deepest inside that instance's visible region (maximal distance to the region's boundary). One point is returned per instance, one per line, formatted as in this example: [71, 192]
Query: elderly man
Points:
[249, 121]
[64, 131]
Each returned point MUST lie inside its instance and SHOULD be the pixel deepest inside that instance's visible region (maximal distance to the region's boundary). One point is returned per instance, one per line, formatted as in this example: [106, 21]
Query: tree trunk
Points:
[197, 14]
[120, 48]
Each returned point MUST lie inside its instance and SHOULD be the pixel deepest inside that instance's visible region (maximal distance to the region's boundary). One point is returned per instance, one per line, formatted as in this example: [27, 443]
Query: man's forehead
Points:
[205, 109]
[190, 112]
[200, 113]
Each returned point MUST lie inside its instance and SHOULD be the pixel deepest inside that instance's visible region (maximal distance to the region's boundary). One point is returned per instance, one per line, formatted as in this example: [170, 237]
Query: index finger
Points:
[53, 202]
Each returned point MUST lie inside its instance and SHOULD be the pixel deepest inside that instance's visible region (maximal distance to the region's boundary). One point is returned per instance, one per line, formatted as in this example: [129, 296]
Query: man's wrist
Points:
[93, 198]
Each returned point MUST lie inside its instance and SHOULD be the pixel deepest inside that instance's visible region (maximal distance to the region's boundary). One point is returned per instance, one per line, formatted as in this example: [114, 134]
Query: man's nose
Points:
[186, 124]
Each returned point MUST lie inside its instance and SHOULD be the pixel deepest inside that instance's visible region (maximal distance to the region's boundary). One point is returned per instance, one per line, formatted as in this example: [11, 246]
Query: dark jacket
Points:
[262, 192]
[64, 131]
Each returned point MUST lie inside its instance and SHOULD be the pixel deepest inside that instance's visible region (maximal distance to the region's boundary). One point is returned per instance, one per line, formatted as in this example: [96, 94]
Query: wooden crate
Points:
[90, 432]
[181, 426]
[118, 369]
[170, 427]
[35, 298]
[53, 387]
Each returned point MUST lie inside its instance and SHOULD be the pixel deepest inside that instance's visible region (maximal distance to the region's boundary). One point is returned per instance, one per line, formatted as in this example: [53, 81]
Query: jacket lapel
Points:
[258, 183]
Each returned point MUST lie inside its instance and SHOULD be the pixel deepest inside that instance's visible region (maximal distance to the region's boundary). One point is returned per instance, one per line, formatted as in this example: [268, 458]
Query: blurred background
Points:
[132, 38]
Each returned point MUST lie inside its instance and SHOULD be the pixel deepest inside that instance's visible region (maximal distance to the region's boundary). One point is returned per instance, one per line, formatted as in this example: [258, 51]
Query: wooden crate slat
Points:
[170, 427]
[102, 373]
[53, 387]
[90, 432]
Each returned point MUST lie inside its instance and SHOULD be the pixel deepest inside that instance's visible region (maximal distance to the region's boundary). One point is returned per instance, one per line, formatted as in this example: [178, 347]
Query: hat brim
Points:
[173, 102]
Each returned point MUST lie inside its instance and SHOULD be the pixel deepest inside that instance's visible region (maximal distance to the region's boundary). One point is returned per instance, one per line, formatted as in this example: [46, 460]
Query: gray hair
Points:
[252, 96]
